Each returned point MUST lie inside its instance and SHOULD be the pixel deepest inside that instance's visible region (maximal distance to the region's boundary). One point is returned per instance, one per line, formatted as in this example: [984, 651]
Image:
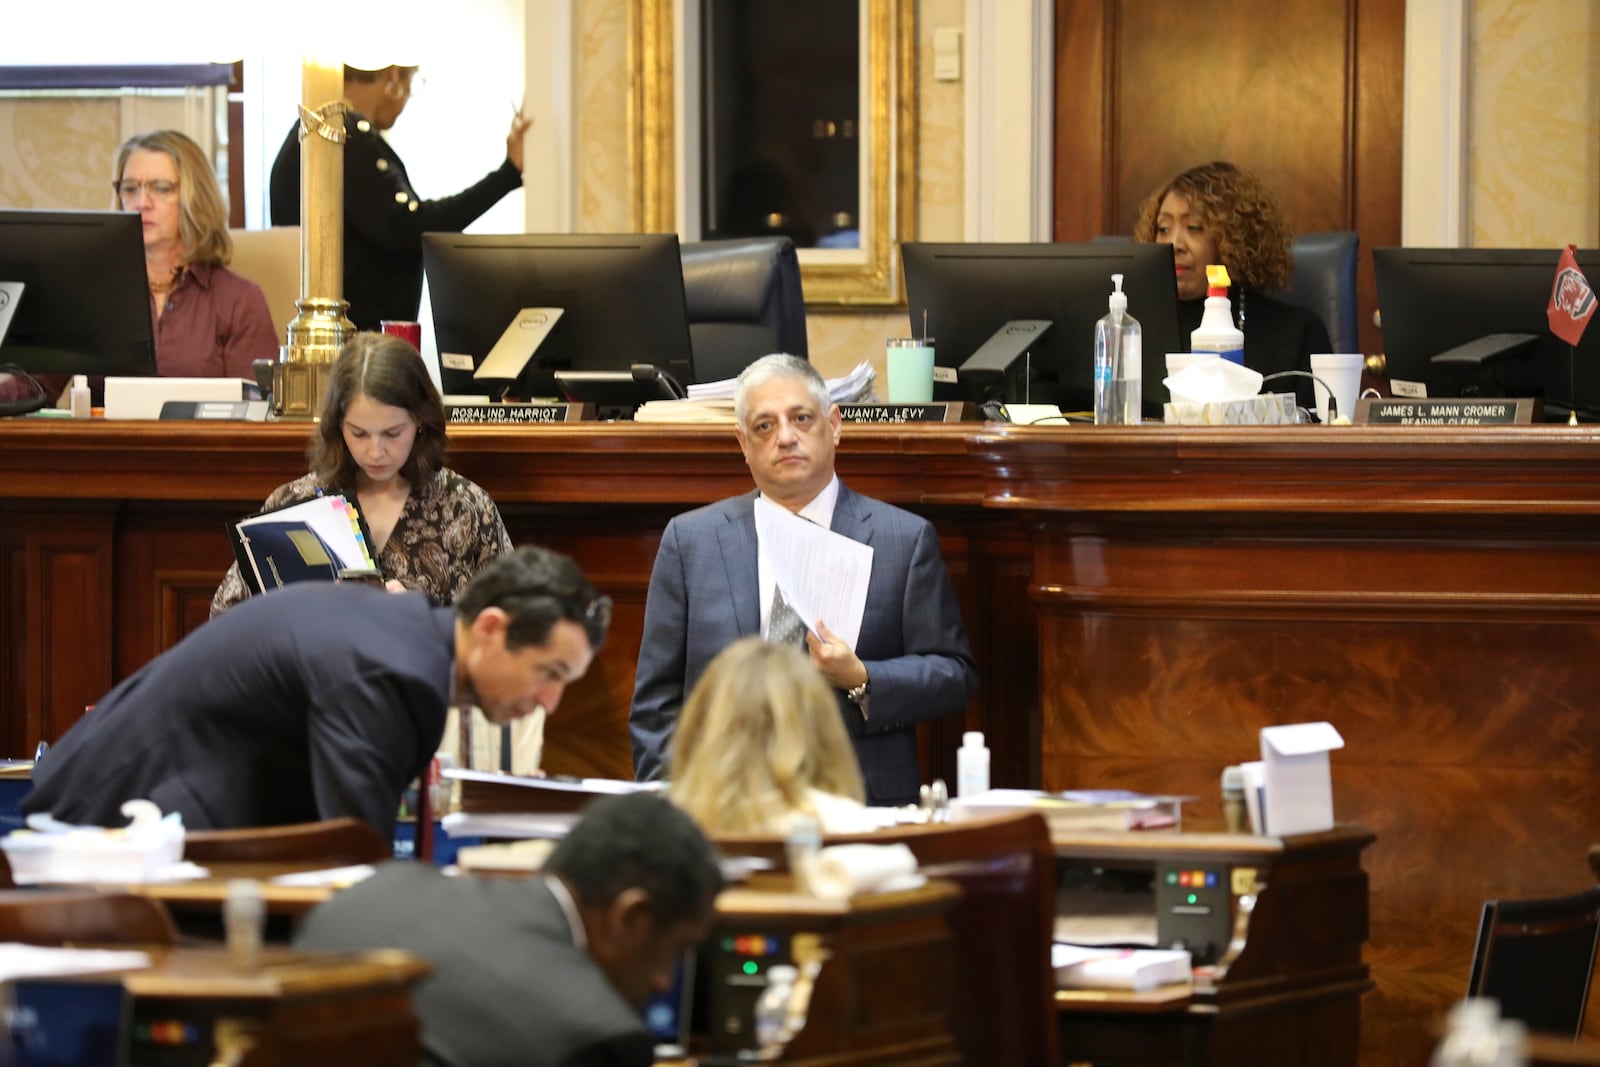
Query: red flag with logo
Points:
[1572, 300]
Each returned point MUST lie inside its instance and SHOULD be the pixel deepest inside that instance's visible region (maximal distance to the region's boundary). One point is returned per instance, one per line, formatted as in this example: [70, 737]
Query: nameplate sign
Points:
[1446, 411]
[939, 411]
[507, 414]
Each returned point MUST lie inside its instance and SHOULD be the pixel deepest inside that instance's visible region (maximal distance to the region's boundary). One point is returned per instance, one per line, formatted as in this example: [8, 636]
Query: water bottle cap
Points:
[972, 739]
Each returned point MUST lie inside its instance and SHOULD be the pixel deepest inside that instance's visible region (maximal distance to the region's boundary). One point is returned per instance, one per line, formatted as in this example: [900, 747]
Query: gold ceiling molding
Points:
[871, 276]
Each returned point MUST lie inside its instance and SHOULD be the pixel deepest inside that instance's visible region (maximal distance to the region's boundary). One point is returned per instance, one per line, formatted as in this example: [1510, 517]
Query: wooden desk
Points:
[1288, 990]
[883, 995]
[297, 1009]
[1141, 601]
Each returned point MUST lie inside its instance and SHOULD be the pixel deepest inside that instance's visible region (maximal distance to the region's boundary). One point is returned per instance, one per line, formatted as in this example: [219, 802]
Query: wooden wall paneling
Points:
[58, 607]
[1304, 92]
[170, 561]
[1085, 127]
[1379, 56]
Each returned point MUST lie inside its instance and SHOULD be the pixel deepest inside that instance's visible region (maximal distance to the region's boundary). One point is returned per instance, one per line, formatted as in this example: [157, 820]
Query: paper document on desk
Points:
[1138, 969]
[40, 961]
[334, 877]
[823, 575]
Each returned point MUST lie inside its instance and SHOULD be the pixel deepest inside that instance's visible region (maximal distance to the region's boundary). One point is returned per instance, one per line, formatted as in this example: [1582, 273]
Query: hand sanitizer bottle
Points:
[1118, 363]
[972, 765]
[1217, 333]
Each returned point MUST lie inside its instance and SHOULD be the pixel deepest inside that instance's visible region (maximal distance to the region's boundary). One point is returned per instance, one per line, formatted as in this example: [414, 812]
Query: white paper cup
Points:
[910, 361]
[1341, 373]
[1178, 361]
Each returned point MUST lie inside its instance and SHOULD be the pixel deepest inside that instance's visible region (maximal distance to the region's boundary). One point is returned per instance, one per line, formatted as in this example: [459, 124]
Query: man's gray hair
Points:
[778, 365]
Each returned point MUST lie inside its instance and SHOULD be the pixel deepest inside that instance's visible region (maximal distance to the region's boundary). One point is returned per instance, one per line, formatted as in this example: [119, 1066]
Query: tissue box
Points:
[1298, 785]
[92, 855]
[1267, 409]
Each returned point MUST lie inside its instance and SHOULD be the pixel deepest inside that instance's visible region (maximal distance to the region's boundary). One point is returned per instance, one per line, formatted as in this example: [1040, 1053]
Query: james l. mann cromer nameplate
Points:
[1445, 411]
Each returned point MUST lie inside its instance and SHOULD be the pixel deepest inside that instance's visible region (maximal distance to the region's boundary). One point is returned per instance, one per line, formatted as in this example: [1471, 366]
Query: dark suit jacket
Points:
[384, 219]
[704, 594]
[315, 701]
[508, 984]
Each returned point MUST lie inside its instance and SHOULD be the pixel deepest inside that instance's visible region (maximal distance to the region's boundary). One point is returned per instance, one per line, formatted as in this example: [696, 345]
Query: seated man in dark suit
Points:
[545, 971]
[712, 585]
[322, 699]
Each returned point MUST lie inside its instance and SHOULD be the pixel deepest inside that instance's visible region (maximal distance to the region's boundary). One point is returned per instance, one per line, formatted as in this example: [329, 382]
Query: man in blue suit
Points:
[711, 585]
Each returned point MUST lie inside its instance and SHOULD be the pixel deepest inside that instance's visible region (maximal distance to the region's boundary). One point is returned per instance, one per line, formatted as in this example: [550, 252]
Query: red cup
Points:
[410, 332]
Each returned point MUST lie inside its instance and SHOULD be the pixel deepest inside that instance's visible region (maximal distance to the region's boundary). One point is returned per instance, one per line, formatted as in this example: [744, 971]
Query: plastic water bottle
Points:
[1217, 333]
[772, 1007]
[1118, 364]
[79, 396]
[972, 765]
[801, 846]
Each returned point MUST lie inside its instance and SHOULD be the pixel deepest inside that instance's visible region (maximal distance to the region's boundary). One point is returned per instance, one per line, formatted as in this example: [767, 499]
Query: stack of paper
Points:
[716, 411]
[1076, 810]
[852, 388]
[491, 791]
[1138, 969]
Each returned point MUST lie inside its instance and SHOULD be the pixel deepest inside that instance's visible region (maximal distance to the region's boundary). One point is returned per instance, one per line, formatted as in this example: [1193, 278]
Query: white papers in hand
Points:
[823, 575]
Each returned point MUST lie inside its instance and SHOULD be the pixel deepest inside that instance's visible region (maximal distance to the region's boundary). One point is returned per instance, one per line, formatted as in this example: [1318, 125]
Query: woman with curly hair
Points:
[1220, 213]
[761, 741]
[381, 442]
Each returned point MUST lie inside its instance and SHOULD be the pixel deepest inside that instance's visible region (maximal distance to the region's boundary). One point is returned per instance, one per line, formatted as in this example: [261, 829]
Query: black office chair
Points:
[1324, 283]
[744, 302]
[1536, 957]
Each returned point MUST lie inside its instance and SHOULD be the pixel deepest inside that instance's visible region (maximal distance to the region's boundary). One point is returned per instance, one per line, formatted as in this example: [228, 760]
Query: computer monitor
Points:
[1434, 300]
[85, 304]
[970, 291]
[621, 300]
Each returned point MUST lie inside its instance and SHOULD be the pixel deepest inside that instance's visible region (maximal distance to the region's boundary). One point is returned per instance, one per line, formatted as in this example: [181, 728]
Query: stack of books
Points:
[1078, 810]
[1136, 969]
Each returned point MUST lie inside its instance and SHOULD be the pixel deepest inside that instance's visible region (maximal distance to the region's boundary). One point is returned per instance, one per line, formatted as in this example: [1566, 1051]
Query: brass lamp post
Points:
[321, 328]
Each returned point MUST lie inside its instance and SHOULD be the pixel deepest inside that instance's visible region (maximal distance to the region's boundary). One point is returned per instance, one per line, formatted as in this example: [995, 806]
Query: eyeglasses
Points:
[160, 189]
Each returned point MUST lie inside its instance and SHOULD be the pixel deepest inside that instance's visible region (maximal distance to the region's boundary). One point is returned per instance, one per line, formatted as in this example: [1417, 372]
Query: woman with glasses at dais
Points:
[209, 322]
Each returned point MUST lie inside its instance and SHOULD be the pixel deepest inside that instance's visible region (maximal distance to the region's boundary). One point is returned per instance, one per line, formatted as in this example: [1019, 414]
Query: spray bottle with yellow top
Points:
[1217, 333]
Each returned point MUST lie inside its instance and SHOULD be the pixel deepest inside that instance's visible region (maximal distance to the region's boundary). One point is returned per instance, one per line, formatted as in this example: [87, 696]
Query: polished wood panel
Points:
[1140, 601]
[1306, 93]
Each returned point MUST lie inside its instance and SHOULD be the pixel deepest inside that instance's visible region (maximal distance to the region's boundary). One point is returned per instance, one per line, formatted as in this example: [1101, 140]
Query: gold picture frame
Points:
[864, 277]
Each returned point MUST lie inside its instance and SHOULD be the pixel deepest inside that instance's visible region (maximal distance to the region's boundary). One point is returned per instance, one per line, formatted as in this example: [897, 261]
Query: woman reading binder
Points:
[381, 442]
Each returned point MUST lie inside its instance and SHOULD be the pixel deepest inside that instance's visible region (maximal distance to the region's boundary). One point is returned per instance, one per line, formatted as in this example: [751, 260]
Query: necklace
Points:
[165, 286]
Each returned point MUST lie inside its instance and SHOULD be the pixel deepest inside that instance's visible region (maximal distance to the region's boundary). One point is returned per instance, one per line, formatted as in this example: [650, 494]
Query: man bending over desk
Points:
[322, 699]
[543, 972]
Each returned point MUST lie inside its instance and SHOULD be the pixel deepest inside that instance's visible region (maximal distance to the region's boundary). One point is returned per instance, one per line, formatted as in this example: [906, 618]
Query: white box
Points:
[1299, 786]
[141, 398]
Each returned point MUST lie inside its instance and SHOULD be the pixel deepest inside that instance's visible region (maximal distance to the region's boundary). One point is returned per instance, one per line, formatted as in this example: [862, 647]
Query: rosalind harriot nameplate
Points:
[938, 411]
[1446, 411]
[506, 414]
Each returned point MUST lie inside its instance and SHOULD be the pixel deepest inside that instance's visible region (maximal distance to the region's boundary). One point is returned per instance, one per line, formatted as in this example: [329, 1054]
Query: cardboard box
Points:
[1299, 786]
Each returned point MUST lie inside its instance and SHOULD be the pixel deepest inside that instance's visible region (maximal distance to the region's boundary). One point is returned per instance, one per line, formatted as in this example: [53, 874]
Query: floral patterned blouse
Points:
[448, 530]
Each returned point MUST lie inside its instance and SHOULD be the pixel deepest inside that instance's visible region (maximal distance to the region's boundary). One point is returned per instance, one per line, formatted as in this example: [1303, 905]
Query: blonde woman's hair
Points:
[759, 731]
[202, 212]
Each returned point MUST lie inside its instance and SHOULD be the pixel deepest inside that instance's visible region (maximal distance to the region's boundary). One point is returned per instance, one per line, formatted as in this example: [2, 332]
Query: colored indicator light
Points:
[1192, 898]
[1172, 877]
[1183, 879]
[1211, 879]
[727, 944]
[750, 967]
